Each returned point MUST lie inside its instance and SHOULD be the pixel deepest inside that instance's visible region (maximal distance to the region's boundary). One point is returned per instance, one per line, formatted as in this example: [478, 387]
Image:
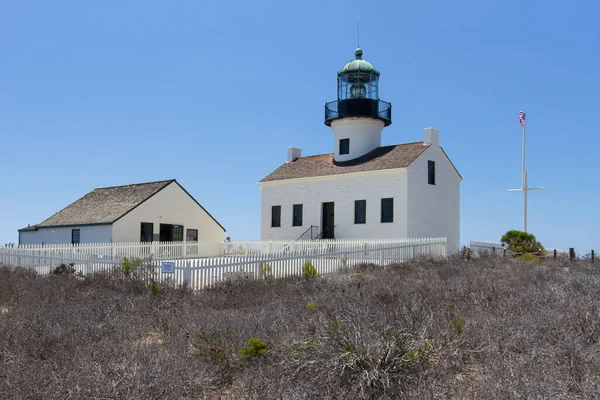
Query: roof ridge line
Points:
[136, 184]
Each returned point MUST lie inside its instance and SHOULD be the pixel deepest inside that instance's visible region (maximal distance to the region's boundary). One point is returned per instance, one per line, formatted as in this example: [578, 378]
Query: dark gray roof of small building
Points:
[107, 205]
[385, 157]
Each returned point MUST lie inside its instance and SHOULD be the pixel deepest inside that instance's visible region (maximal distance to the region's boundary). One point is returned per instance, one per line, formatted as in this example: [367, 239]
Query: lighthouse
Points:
[361, 189]
[358, 116]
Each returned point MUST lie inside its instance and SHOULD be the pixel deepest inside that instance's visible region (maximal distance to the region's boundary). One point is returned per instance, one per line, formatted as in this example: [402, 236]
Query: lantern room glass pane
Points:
[374, 87]
[358, 85]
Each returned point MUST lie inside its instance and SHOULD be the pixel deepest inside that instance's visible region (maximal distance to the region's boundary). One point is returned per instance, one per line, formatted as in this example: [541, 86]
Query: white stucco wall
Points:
[364, 135]
[343, 190]
[88, 234]
[434, 210]
[169, 206]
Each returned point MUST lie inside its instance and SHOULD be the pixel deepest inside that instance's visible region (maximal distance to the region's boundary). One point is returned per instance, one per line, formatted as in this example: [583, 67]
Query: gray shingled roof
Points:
[105, 205]
[386, 157]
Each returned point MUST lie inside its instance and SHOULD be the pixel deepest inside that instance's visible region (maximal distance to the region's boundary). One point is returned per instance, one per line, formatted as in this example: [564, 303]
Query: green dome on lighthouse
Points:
[358, 65]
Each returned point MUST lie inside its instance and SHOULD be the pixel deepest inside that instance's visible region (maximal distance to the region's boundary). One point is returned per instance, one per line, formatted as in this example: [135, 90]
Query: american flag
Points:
[522, 118]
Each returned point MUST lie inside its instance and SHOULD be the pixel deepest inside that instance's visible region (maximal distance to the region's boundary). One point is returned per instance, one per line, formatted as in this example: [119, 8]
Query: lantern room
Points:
[358, 79]
[358, 93]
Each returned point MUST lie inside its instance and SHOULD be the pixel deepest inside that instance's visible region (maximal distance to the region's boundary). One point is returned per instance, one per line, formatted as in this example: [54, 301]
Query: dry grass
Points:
[488, 328]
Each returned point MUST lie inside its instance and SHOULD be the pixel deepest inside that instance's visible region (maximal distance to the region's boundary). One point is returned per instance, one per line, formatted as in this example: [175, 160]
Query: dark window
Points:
[276, 216]
[192, 235]
[146, 232]
[297, 219]
[387, 210]
[431, 172]
[177, 233]
[75, 236]
[344, 146]
[360, 211]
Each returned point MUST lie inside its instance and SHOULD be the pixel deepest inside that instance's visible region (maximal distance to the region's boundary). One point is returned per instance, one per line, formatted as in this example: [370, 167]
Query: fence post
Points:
[592, 255]
[555, 254]
[571, 253]
[187, 275]
[503, 252]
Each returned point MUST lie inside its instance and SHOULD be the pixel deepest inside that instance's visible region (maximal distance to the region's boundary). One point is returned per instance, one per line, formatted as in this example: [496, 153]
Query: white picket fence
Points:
[199, 273]
[201, 249]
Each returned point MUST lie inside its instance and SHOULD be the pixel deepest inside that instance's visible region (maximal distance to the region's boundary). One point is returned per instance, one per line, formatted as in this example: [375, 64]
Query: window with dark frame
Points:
[297, 218]
[275, 216]
[146, 232]
[177, 233]
[344, 146]
[431, 172]
[191, 235]
[387, 210]
[360, 211]
[75, 236]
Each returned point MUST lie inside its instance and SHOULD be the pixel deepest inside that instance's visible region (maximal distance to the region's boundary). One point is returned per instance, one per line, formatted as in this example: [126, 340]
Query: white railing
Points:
[202, 272]
[480, 247]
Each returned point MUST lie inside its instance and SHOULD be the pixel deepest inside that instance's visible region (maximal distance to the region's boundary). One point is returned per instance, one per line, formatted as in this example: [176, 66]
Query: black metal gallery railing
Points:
[358, 108]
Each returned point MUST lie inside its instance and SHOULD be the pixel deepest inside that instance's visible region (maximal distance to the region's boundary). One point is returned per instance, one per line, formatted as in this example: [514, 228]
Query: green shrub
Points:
[266, 271]
[309, 271]
[519, 243]
[256, 348]
[311, 306]
[130, 266]
[459, 325]
[155, 289]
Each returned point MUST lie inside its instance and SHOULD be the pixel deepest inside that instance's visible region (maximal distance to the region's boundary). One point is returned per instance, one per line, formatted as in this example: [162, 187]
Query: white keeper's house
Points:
[363, 189]
[154, 211]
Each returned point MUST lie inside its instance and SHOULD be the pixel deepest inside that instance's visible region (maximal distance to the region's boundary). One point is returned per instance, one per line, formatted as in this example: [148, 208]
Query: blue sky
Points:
[97, 94]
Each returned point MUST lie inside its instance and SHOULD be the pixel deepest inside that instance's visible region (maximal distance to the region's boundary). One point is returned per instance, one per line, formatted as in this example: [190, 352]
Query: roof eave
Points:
[38, 227]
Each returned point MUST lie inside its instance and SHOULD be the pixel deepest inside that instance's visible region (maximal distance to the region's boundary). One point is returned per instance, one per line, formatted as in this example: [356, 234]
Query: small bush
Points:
[64, 269]
[256, 348]
[311, 306]
[155, 289]
[459, 325]
[309, 271]
[266, 271]
[130, 266]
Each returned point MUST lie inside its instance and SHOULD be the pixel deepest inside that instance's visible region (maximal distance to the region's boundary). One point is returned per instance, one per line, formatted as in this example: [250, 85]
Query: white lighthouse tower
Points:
[358, 116]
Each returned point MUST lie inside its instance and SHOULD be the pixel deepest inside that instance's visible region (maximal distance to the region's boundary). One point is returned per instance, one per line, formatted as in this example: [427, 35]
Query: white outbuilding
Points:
[155, 211]
[363, 189]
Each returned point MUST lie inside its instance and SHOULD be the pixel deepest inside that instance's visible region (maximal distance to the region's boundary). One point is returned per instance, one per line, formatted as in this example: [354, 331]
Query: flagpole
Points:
[524, 185]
